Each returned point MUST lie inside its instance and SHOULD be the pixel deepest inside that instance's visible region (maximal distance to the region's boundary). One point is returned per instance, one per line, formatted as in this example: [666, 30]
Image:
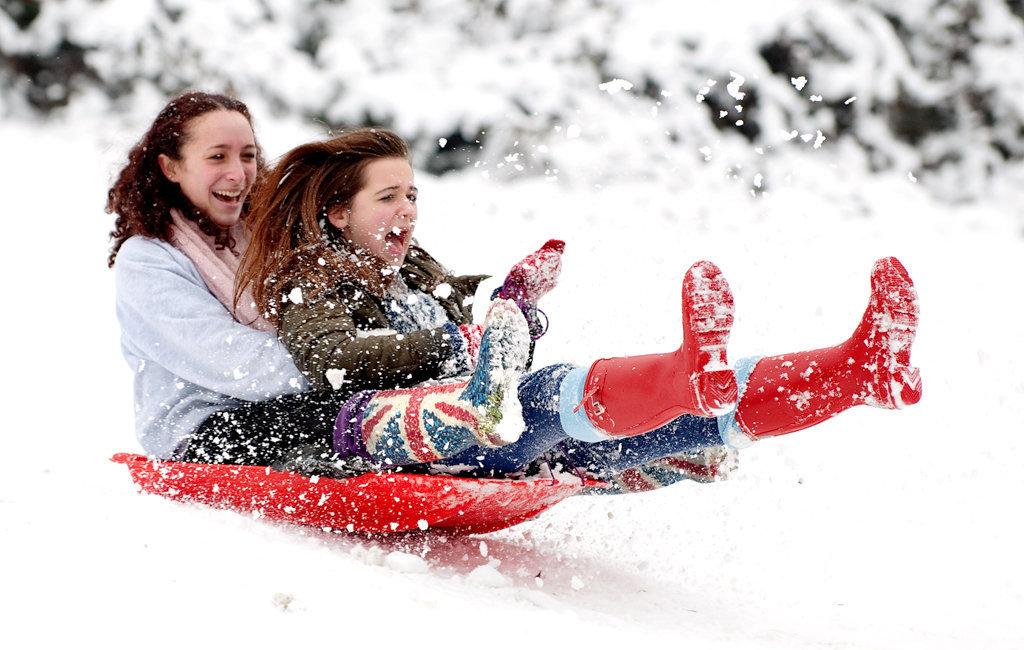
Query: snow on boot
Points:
[628, 396]
[793, 391]
[530, 279]
[427, 423]
[493, 387]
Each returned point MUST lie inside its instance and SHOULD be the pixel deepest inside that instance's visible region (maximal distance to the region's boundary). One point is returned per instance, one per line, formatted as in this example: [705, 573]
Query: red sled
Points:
[373, 502]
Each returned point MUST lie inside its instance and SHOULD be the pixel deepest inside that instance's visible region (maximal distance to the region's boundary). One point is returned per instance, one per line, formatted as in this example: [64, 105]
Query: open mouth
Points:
[231, 197]
[397, 239]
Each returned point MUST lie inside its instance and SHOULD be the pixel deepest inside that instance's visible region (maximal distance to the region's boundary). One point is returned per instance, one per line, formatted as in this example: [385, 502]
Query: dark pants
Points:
[260, 433]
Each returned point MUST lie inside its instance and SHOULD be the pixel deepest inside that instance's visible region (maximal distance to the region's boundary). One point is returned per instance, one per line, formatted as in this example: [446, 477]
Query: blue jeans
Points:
[539, 395]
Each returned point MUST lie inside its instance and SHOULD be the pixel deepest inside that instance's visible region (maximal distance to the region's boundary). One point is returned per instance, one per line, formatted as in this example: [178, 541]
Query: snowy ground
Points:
[875, 530]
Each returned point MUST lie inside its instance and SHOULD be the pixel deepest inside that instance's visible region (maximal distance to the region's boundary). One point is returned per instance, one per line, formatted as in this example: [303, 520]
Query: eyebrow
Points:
[226, 146]
[396, 187]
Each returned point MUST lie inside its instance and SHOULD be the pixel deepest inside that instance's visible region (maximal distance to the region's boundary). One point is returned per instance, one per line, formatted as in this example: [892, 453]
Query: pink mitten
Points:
[530, 279]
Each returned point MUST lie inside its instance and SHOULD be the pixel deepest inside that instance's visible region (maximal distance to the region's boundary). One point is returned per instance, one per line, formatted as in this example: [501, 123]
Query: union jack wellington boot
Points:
[428, 423]
[628, 396]
[790, 392]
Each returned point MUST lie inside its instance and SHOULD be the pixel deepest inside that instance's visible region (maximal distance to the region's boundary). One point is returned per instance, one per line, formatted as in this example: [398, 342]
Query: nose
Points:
[236, 171]
[407, 211]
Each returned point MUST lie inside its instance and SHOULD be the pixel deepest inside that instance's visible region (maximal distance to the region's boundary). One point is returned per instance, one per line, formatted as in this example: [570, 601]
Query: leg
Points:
[687, 449]
[539, 395]
[873, 367]
[790, 392]
[427, 423]
[628, 396]
[615, 398]
[260, 433]
[685, 435]
[548, 397]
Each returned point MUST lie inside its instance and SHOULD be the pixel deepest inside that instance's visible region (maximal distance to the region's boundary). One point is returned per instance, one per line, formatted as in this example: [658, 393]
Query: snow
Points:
[442, 291]
[335, 377]
[509, 337]
[734, 86]
[615, 86]
[877, 529]
[488, 575]
[406, 562]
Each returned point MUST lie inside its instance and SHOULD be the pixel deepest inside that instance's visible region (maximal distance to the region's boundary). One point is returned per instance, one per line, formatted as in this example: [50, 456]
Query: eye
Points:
[217, 156]
[412, 198]
[248, 156]
[387, 197]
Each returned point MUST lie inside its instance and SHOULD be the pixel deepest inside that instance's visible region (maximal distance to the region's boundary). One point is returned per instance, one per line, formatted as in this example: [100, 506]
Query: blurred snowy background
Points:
[792, 142]
[929, 87]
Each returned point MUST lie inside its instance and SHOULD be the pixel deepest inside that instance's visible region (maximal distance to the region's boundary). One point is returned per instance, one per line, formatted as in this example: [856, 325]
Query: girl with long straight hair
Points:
[367, 313]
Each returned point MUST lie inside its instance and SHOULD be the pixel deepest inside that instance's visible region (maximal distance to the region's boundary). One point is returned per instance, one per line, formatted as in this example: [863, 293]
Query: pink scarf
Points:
[218, 267]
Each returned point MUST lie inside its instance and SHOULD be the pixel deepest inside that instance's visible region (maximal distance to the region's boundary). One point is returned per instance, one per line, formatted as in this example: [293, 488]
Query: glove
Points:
[530, 279]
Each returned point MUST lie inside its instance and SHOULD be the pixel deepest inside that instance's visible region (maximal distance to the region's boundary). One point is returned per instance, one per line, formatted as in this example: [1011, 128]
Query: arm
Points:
[325, 343]
[171, 318]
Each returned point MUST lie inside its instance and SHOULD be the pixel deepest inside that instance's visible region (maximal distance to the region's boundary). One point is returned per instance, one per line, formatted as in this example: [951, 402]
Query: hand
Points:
[534, 276]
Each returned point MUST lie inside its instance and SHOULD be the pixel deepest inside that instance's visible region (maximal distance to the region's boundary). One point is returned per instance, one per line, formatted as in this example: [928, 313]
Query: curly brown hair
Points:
[292, 240]
[142, 197]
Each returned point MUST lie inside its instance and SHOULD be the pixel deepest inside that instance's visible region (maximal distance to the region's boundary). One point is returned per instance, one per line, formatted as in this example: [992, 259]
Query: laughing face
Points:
[216, 165]
[381, 217]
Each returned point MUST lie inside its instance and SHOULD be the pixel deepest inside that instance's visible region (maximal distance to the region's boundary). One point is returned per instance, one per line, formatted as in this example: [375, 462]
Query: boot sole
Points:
[708, 315]
[715, 391]
[895, 319]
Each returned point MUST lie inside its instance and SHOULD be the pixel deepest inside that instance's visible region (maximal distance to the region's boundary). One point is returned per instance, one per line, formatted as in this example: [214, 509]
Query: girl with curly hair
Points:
[181, 202]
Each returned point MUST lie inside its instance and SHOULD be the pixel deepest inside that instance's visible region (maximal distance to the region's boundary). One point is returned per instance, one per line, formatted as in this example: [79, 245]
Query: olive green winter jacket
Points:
[333, 341]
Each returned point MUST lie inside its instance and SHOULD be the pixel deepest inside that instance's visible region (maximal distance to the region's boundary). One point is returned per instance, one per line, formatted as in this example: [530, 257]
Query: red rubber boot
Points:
[628, 396]
[794, 391]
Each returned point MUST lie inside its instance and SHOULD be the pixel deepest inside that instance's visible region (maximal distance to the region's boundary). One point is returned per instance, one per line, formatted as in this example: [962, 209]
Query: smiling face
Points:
[381, 217]
[216, 165]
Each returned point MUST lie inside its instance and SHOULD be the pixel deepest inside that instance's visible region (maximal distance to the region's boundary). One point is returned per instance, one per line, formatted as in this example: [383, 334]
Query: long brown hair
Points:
[142, 197]
[292, 240]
